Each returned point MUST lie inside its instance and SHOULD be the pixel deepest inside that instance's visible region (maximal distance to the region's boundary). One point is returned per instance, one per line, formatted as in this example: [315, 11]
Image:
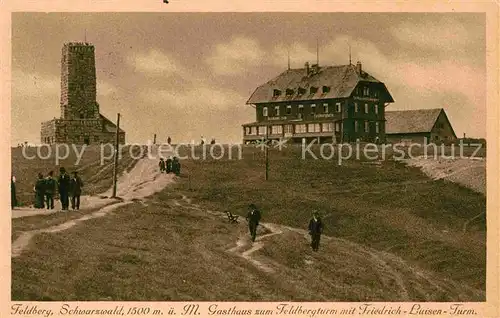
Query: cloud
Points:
[105, 88]
[237, 57]
[155, 63]
[33, 84]
[199, 99]
[441, 34]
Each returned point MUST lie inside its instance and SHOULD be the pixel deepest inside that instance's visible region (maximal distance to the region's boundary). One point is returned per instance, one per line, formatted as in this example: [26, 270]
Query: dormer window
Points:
[313, 90]
[326, 89]
[276, 93]
[289, 92]
[301, 91]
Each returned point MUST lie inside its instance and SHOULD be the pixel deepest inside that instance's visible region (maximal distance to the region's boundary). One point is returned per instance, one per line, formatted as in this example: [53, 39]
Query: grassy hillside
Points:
[96, 175]
[388, 206]
[393, 235]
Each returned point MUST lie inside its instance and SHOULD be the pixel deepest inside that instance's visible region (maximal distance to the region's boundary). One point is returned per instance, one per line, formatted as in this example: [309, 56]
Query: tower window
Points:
[82, 116]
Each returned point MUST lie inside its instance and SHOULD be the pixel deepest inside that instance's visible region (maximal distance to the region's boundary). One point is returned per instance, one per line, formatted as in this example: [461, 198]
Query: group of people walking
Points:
[170, 165]
[45, 190]
[315, 225]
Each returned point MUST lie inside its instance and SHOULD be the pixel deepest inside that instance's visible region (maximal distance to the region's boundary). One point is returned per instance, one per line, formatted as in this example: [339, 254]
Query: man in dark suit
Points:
[50, 190]
[315, 230]
[253, 218]
[76, 185]
[63, 182]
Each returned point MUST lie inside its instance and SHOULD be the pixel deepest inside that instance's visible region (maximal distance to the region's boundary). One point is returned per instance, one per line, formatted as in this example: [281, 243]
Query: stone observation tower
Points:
[80, 121]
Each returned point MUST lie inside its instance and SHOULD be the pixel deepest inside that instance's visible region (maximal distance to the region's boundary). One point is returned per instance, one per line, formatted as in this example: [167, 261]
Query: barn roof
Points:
[341, 80]
[108, 125]
[411, 121]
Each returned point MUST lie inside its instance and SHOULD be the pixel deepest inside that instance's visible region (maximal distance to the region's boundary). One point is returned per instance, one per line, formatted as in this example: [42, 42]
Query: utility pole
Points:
[267, 152]
[115, 165]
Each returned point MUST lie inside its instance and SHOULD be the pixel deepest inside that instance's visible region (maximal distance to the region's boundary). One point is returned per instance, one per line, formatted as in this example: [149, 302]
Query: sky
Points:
[188, 75]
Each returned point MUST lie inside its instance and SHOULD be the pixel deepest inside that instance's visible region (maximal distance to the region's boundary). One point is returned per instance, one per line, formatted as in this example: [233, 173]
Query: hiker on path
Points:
[162, 165]
[169, 140]
[253, 218]
[39, 192]
[315, 230]
[169, 164]
[212, 142]
[63, 183]
[50, 190]
[176, 166]
[75, 187]
[13, 197]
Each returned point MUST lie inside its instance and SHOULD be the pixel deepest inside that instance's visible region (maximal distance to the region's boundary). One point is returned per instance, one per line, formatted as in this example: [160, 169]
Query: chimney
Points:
[307, 68]
[358, 68]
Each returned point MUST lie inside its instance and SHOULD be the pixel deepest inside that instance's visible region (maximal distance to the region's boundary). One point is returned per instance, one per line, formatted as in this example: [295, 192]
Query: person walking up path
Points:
[253, 218]
[315, 230]
[76, 185]
[50, 190]
[63, 183]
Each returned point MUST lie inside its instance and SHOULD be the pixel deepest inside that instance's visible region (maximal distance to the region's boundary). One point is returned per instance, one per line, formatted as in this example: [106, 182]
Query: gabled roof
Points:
[108, 125]
[341, 80]
[411, 121]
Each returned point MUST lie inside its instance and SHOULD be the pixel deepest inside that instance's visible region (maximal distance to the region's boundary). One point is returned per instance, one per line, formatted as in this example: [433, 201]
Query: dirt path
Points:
[468, 172]
[407, 280]
[142, 181]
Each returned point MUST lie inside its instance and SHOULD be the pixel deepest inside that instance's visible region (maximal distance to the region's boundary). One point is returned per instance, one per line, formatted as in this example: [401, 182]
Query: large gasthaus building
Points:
[328, 103]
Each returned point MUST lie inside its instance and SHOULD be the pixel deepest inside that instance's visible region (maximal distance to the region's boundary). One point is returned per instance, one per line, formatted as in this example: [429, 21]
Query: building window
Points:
[356, 107]
[313, 128]
[300, 91]
[338, 108]
[288, 109]
[277, 130]
[356, 124]
[367, 126]
[366, 91]
[289, 92]
[313, 90]
[288, 129]
[276, 92]
[327, 127]
[301, 128]
[375, 108]
[264, 111]
[325, 108]
[377, 128]
[82, 116]
[300, 111]
[277, 110]
[375, 93]
[337, 127]
[313, 109]
[366, 108]
[253, 130]
[326, 89]
[262, 130]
